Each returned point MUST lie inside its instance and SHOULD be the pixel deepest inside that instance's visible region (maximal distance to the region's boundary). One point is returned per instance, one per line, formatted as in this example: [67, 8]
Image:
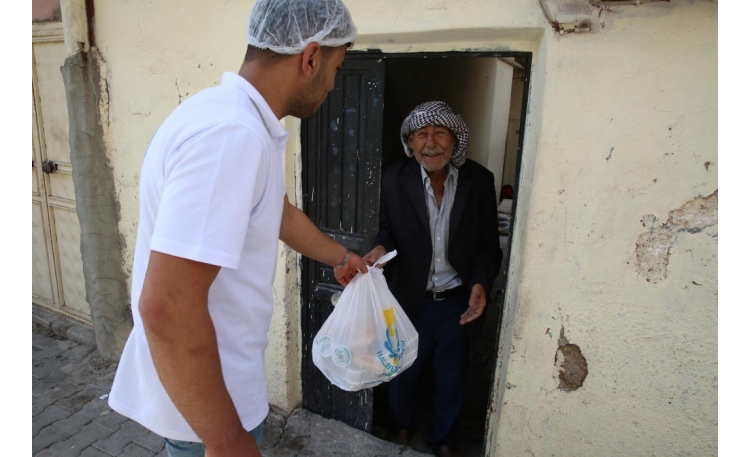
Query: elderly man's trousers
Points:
[443, 346]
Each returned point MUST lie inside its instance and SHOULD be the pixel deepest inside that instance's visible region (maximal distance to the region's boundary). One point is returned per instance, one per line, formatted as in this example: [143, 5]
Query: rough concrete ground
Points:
[70, 415]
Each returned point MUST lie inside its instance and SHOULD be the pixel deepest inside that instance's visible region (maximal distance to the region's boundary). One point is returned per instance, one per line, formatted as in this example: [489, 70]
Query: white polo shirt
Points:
[211, 190]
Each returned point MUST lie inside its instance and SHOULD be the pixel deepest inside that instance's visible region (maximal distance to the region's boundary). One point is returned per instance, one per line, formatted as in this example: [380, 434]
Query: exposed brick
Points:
[93, 452]
[50, 349]
[75, 422]
[116, 443]
[73, 446]
[151, 441]
[75, 402]
[51, 414]
[46, 453]
[133, 450]
[46, 437]
[51, 381]
[112, 421]
[40, 341]
[105, 381]
[42, 400]
[81, 334]
[38, 405]
[42, 368]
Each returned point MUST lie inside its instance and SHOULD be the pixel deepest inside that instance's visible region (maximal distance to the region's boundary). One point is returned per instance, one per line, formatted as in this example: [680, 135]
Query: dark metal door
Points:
[341, 158]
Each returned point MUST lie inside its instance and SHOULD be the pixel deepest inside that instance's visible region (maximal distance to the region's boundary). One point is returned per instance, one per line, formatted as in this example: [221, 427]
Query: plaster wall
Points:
[622, 124]
[477, 88]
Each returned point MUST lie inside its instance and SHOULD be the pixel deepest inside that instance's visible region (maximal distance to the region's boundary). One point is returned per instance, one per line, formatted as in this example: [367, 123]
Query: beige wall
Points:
[622, 124]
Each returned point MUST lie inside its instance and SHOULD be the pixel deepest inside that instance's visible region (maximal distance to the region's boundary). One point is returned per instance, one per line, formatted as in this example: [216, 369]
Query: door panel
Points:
[48, 58]
[68, 241]
[34, 181]
[61, 185]
[43, 278]
[341, 160]
[57, 270]
[41, 282]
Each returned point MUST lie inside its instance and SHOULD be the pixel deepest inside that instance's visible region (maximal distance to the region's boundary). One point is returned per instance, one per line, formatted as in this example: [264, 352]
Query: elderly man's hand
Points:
[346, 273]
[374, 255]
[477, 302]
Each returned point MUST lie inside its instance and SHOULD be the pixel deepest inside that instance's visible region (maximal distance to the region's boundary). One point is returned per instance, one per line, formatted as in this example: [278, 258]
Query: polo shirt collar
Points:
[274, 126]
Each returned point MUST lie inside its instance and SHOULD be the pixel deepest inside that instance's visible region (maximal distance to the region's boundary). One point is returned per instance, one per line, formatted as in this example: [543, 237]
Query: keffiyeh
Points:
[437, 113]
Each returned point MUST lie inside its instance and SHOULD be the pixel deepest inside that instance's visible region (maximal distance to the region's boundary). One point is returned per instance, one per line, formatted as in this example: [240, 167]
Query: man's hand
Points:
[350, 268]
[373, 256]
[300, 234]
[477, 302]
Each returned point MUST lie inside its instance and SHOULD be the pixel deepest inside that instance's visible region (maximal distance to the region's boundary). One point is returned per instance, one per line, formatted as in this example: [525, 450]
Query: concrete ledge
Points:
[306, 435]
[63, 326]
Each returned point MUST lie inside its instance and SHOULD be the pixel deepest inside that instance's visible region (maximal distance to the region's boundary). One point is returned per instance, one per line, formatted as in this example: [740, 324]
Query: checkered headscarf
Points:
[437, 113]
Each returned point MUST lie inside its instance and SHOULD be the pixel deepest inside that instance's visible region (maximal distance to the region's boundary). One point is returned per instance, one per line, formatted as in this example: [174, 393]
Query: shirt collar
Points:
[274, 126]
[452, 173]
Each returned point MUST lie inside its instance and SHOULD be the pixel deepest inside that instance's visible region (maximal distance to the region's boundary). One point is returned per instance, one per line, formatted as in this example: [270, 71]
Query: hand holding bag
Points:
[367, 339]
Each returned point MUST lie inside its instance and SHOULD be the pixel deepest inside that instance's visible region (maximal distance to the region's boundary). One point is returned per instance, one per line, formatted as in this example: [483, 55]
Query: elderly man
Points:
[212, 211]
[437, 208]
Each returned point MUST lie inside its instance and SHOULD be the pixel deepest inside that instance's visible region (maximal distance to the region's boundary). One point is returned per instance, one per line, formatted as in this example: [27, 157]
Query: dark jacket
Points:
[473, 240]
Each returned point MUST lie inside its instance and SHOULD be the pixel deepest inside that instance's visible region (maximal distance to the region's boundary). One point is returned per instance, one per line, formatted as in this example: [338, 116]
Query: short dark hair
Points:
[263, 56]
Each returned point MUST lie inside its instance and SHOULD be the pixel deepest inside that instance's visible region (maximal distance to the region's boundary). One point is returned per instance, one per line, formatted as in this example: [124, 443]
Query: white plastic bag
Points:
[367, 339]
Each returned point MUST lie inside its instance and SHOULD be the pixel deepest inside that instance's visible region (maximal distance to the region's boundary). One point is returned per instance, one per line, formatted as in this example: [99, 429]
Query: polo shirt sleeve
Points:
[212, 182]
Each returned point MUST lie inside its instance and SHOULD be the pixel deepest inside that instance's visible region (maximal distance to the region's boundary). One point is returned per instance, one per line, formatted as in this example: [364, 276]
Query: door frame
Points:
[528, 56]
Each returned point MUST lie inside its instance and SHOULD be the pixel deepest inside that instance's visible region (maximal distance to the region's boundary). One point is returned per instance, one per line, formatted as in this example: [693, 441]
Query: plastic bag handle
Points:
[386, 258]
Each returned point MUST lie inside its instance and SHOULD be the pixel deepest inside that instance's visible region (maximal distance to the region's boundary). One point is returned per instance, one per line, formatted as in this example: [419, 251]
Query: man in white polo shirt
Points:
[212, 210]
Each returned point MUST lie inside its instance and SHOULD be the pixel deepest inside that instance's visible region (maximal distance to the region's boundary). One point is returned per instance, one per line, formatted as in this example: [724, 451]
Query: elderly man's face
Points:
[432, 146]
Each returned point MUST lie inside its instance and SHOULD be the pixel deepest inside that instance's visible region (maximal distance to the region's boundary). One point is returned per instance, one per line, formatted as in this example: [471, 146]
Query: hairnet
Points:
[437, 113]
[288, 26]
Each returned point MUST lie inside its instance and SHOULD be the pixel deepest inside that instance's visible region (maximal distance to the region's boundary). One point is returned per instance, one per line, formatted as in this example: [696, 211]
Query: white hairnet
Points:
[288, 26]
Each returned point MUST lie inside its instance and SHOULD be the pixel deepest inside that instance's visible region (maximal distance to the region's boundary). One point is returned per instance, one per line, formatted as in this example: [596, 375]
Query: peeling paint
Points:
[572, 368]
[653, 247]
[652, 253]
[696, 215]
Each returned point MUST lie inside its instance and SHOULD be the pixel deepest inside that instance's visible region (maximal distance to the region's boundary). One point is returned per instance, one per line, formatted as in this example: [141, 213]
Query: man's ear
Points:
[410, 140]
[312, 59]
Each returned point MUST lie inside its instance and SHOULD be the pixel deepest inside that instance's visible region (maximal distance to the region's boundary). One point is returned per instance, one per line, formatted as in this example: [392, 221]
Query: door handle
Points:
[49, 166]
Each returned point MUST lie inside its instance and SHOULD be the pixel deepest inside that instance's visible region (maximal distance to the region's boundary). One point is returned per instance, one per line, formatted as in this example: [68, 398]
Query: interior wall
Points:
[513, 129]
[498, 127]
[478, 88]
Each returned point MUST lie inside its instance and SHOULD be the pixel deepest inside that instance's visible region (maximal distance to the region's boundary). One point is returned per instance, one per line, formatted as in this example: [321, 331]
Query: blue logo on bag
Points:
[395, 348]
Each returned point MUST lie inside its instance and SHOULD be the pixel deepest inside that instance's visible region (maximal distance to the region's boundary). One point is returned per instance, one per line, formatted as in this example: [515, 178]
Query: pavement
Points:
[70, 415]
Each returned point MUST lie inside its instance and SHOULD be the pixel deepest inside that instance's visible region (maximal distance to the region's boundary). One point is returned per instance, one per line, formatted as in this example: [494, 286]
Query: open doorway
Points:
[488, 93]
[344, 145]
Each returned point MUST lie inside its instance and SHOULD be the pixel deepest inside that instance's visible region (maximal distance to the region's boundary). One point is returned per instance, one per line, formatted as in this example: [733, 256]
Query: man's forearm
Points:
[299, 233]
[184, 349]
[190, 372]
